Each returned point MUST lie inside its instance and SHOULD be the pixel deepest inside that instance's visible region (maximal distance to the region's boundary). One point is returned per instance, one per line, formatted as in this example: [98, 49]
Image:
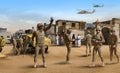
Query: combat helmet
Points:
[39, 24]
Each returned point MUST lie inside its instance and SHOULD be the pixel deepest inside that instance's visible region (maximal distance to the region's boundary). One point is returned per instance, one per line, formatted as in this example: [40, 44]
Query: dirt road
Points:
[55, 61]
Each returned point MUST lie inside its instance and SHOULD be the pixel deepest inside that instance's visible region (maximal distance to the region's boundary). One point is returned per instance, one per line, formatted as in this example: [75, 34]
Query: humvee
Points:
[27, 37]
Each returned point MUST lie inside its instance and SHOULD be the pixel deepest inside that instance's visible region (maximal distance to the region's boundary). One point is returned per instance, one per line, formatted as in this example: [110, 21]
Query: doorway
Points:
[106, 33]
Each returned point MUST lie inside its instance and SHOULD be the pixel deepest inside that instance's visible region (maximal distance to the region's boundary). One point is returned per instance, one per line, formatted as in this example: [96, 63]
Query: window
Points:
[63, 23]
[8, 36]
[73, 25]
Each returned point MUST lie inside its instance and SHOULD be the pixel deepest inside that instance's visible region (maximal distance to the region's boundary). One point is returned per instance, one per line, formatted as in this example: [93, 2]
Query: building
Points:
[106, 26]
[76, 27]
[51, 33]
[5, 34]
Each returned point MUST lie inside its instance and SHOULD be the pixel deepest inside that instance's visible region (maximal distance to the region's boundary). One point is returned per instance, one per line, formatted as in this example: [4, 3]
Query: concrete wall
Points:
[6, 35]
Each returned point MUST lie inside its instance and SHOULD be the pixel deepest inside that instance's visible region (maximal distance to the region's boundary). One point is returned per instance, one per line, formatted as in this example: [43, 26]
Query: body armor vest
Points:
[40, 37]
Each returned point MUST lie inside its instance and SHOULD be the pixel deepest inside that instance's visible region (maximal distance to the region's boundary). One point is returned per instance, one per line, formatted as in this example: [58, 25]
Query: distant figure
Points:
[67, 40]
[79, 40]
[97, 41]
[27, 44]
[113, 45]
[57, 39]
[20, 43]
[88, 39]
[40, 36]
[2, 44]
[15, 49]
[33, 29]
[73, 40]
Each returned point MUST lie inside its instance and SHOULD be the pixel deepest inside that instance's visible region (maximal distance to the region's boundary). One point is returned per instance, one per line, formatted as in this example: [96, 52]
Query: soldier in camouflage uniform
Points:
[2, 43]
[97, 43]
[15, 49]
[113, 45]
[88, 39]
[20, 43]
[39, 35]
[68, 42]
[26, 43]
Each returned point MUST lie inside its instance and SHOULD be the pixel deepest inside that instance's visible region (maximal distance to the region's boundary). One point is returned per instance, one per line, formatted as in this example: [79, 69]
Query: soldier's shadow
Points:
[31, 66]
[97, 66]
[83, 56]
[111, 63]
[62, 63]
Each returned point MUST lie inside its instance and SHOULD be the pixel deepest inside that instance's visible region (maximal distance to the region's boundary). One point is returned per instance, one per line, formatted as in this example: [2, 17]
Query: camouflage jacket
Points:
[67, 38]
[113, 40]
[97, 39]
[2, 42]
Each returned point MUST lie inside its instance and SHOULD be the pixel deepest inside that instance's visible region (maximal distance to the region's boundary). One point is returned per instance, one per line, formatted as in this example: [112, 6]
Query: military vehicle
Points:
[97, 6]
[86, 12]
[27, 37]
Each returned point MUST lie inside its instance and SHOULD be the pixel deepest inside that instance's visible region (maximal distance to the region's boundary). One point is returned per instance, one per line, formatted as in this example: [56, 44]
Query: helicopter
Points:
[86, 12]
[96, 6]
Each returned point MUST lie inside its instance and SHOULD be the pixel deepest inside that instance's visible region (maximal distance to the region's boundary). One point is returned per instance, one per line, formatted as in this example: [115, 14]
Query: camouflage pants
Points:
[37, 49]
[113, 49]
[68, 51]
[95, 50]
[88, 46]
[16, 50]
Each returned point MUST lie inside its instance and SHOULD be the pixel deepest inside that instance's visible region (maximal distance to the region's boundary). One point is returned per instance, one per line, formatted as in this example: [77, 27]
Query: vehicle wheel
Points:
[46, 49]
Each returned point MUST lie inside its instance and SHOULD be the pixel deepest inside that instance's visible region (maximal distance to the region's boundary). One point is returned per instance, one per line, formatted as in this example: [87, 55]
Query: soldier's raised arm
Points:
[49, 26]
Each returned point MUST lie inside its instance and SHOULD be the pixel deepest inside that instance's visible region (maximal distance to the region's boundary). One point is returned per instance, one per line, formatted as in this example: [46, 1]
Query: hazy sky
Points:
[23, 14]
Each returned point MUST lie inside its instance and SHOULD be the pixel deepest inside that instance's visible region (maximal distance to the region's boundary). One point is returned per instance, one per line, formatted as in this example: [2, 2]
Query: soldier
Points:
[73, 40]
[79, 40]
[97, 43]
[26, 43]
[57, 39]
[88, 39]
[113, 45]
[2, 43]
[20, 43]
[67, 40]
[14, 42]
[39, 35]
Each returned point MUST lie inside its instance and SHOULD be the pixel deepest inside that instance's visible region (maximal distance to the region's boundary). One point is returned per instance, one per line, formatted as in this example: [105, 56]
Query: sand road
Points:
[55, 61]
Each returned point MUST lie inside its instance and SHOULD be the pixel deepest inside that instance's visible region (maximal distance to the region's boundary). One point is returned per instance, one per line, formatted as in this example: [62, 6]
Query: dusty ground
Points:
[56, 62]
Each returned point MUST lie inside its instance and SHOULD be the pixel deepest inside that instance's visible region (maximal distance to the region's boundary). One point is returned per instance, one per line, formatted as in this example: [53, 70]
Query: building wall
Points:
[117, 30]
[3, 29]
[6, 35]
[68, 25]
[79, 25]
